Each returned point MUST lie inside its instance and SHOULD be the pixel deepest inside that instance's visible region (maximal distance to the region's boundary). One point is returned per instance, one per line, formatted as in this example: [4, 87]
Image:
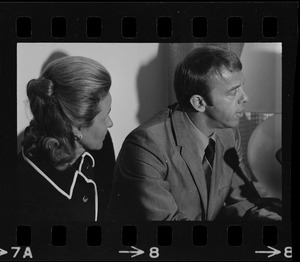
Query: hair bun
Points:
[42, 87]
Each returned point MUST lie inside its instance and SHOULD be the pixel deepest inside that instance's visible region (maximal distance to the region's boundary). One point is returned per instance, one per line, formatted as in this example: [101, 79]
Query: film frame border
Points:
[217, 14]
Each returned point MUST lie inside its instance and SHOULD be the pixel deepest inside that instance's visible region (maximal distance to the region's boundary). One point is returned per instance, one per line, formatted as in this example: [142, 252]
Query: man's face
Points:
[228, 98]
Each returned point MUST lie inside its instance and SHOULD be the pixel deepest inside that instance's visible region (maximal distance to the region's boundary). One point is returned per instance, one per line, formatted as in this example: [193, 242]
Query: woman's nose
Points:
[110, 123]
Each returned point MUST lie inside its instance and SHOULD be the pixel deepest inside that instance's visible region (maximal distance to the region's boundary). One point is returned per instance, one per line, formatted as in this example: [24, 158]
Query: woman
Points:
[62, 173]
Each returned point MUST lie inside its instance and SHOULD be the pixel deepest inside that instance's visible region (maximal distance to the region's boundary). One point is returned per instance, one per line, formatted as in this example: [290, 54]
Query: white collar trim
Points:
[78, 172]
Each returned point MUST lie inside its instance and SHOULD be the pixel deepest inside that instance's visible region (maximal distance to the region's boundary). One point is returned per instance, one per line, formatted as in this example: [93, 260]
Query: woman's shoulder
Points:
[27, 176]
[22, 165]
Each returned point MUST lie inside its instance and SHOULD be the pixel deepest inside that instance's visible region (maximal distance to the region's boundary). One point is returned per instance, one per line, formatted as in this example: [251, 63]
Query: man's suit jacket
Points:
[159, 175]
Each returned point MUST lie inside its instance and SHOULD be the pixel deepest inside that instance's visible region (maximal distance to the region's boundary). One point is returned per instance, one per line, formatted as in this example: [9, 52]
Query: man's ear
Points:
[198, 103]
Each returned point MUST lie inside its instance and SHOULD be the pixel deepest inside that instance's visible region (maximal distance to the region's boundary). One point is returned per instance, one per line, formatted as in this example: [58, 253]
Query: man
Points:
[186, 162]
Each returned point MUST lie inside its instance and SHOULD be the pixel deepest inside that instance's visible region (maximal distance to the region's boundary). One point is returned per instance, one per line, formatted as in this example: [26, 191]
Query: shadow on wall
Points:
[263, 80]
[55, 55]
[151, 86]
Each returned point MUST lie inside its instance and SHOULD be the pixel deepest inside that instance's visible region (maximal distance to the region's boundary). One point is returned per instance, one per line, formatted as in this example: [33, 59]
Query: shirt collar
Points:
[63, 181]
[198, 135]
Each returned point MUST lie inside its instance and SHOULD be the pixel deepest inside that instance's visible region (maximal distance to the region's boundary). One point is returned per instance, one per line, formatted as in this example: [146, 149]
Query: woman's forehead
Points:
[105, 103]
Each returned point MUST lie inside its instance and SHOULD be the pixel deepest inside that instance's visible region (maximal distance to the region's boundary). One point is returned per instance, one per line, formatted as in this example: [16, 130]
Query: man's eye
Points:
[232, 93]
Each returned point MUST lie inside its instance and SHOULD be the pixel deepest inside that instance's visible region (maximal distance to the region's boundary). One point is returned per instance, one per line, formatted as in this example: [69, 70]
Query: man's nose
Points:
[244, 98]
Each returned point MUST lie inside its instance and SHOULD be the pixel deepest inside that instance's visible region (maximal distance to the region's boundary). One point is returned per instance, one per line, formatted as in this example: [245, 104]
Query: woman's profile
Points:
[66, 164]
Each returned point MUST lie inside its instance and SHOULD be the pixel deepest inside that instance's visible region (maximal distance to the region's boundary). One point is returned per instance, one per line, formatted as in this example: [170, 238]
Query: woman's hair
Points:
[66, 95]
[193, 73]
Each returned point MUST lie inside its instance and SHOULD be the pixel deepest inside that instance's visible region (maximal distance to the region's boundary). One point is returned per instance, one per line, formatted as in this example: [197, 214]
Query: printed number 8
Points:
[154, 252]
[288, 252]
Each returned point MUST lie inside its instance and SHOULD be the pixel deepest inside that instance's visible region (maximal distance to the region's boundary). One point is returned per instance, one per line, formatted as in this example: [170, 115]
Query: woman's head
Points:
[66, 100]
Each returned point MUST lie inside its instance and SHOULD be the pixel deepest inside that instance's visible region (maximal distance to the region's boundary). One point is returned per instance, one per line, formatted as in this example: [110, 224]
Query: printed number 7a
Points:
[27, 252]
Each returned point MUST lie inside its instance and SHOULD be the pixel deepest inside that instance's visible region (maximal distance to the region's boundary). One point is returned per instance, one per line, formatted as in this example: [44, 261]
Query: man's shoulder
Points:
[228, 136]
[155, 131]
[156, 122]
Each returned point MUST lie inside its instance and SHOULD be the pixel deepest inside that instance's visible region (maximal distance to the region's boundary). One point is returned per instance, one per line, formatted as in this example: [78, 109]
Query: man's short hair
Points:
[193, 73]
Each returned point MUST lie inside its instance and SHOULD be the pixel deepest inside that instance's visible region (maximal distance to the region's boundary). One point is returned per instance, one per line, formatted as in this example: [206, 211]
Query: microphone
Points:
[231, 158]
[249, 190]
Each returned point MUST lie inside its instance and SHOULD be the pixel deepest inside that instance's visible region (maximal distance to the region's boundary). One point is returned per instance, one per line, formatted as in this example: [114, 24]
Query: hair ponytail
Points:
[41, 87]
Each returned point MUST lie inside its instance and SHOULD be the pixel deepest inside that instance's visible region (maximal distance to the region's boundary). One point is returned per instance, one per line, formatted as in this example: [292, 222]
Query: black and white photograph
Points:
[149, 132]
[156, 131]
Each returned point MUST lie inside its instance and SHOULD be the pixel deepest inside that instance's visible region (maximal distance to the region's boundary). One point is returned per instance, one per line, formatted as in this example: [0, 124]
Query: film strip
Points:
[97, 25]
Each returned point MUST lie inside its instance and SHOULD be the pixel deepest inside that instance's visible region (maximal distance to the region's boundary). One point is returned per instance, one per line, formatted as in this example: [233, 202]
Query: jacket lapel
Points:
[190, 154]
[221, 173]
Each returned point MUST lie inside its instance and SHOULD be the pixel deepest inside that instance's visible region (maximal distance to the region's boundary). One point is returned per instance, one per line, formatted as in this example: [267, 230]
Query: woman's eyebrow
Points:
[234, 87]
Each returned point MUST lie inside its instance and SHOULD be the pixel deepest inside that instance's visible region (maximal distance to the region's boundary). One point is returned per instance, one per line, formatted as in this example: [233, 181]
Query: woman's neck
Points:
[78, 152]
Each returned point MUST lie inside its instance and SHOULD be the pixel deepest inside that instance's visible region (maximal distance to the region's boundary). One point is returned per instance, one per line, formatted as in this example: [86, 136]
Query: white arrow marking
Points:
[272, 252]
[135, 252]
[3, 252]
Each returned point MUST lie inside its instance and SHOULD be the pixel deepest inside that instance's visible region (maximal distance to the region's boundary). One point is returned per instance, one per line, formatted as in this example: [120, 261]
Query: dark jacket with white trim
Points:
[79, 193]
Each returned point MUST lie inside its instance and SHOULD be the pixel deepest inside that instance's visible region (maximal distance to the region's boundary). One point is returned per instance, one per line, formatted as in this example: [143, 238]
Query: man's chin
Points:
[232, 124]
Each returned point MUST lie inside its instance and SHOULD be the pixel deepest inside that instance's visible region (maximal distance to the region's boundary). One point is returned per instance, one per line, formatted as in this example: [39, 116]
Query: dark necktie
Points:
[208, 162]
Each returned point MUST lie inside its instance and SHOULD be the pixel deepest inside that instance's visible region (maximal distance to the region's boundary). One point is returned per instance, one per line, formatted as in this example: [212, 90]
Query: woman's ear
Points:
[77, 134]
[198, 103]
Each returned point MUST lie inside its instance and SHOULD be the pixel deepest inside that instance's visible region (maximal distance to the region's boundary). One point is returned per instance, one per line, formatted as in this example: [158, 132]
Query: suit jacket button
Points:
[85, 199]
